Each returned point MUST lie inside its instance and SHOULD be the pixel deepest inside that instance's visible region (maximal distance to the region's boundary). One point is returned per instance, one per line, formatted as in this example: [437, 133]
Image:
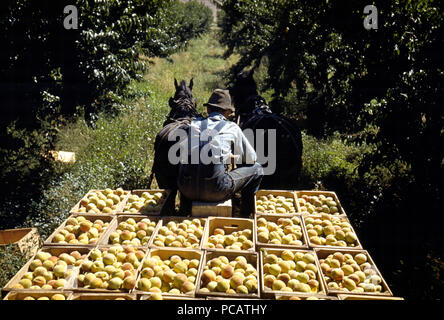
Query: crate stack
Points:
[116, 245]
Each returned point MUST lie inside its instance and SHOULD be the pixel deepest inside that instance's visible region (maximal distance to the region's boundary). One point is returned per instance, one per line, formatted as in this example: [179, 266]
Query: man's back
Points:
[212, 143]
[214, 139]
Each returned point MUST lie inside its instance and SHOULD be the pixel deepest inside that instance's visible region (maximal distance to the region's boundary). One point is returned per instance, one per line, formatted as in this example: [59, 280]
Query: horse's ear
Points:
[176, 84]
[191, 84]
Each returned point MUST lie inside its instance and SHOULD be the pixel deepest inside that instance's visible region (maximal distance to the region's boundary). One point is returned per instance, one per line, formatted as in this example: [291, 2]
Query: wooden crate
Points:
[164, 222]
[102, 296]
[288, 295]
[56, 251]
[322, 253]
[343, 218]
[20, 295]
[166, 253]
[229, 225]
[75, 209]
[25, 240]
[252, 258]
[365, 297]
[287, 194]
[105, 239]
[332, 194]
[207, 209]
[139, 192]
[274, 218]
[91, 217]
[75, 284]
[269, 293]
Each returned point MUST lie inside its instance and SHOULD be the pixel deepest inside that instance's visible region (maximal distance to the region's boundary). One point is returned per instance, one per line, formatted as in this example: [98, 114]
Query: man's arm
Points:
[243, 151]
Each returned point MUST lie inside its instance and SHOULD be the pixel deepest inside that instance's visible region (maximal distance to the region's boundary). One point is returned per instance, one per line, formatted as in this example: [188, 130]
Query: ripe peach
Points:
[227, 271]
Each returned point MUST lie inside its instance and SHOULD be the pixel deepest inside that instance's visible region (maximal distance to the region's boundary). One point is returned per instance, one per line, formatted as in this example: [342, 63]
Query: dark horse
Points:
[252, 112]
[183, 111]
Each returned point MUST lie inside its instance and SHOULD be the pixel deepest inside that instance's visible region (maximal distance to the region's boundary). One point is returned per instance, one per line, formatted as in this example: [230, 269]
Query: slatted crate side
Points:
[76, 288]
[229, 225]
[26, 240]
[139, 193]
[164, 221]
[56, 251]
[322, 253]
[252, 258]
[289, 296]
[166, 253]
[344, 219]
[236, 299]
[90, 217]
[215, 209]
[332, 194]
[269, 293]
[75, 209]
[167, 297]
[103, 296]
[20, 295]
[287, 194]
[120, 218]
[275, 218]
[365, 297]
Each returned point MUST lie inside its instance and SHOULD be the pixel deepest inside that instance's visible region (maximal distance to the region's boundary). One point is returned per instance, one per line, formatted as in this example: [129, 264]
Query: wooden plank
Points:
[323, 253]
[102, 296]
[168, 297]
[295, 296]
[275, 218]
[252, 258]
[26, 240]
[207, 209]
[36, 294]
[166, 253]
[63, 156]
[229, 225]
[365, 297]
[271, 293]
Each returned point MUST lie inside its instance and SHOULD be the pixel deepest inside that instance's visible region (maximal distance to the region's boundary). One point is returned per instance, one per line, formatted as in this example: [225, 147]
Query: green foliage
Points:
[195, 19]
[323, 159]
[51, 75]
[117, 152]
[11, 261]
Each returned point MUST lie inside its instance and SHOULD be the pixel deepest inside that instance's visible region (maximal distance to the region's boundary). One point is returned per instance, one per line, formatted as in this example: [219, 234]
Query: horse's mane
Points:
[183, 105]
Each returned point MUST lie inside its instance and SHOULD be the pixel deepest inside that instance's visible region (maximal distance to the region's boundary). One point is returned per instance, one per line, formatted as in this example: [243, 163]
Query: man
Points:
[211, 142]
